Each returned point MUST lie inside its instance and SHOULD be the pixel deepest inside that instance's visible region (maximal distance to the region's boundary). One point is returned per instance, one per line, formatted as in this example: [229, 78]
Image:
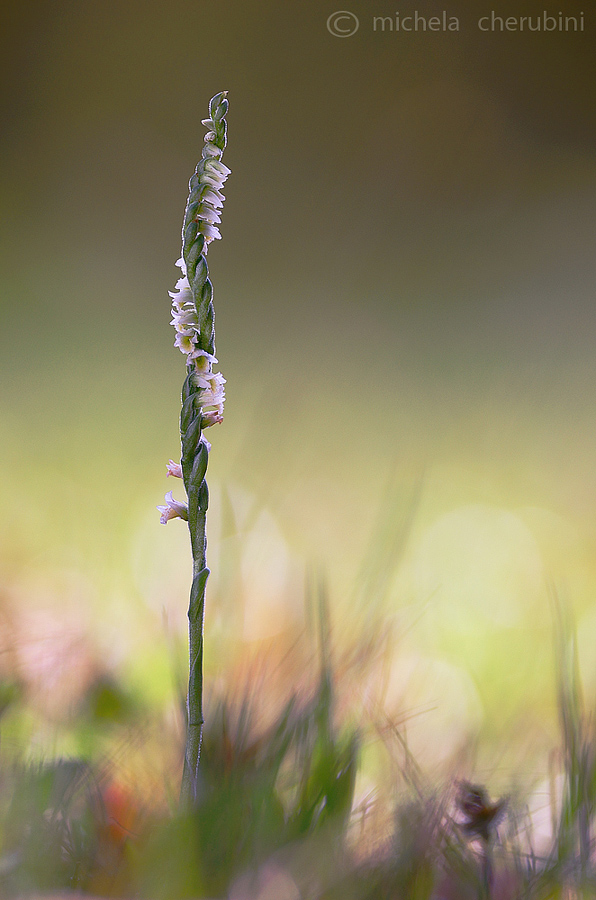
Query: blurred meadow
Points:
[404, 300]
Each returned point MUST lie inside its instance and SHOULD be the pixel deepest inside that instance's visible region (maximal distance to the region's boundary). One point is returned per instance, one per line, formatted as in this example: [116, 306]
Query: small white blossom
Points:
[204, 360]
[172, 510]
[174, 469]
[212, 417]
[184, 314]
[214, 179]
[211, 387]
[185, 320]
[210, 149]
[211, 396]
[184, 342]
[215, 165]
[182, 293]
[208, 213]
[215, 198]
[210, 232]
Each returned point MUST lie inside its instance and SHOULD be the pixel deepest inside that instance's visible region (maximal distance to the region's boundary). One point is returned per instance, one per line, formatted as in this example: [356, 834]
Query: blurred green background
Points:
[405, 316]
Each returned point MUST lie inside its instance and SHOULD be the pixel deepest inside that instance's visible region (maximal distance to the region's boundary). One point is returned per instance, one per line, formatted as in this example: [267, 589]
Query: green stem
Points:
[195, 457]
[196, 613]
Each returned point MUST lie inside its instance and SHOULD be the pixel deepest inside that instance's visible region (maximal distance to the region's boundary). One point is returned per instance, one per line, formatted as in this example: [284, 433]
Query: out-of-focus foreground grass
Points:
[308, 789]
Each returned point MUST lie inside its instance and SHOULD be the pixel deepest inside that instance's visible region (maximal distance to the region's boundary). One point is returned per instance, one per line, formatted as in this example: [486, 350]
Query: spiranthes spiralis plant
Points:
[202, 402]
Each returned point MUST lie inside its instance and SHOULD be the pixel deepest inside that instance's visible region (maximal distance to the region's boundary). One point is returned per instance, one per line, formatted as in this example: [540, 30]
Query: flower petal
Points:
[173, 509]
[174, 468]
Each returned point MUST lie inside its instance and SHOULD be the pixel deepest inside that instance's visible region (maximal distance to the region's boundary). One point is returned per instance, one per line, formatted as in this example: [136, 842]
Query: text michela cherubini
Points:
[491, 22]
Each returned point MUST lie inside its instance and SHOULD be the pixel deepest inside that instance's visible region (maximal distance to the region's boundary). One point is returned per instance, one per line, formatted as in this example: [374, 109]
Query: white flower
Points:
[174, 469]
[182, 294]
[208, 214]
[215, 165]
[203, 360]
[215, 198]
[210, 232]
[211, 396]
[210, 149]
[213, 179]
[172, 510]
[211, 387]
[184, 314]
[185, 321]
[184, 342]
[213, 417]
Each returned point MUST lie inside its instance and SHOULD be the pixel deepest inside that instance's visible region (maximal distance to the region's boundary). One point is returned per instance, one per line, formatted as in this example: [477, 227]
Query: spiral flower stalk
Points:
[203, 399]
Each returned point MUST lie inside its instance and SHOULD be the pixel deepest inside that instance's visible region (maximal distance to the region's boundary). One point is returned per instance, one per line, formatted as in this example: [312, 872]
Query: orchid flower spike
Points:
[192, 307]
